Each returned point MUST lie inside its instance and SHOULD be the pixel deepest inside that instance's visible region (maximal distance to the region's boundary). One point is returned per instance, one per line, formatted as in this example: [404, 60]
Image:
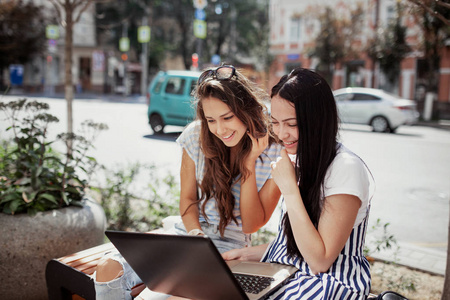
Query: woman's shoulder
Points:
[190, 133]
[347, 162]
[346, 156]
[273, 150]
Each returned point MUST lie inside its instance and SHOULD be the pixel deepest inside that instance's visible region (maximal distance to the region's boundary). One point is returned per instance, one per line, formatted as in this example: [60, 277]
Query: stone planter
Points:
[28, 243]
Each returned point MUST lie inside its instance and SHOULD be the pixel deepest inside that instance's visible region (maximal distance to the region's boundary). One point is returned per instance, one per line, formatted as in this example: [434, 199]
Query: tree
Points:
[337, 38]
[238, 30]
[433, 16]
[389, 47]
[446, 291]
[69, 13]
[22, 32]
[172, 28]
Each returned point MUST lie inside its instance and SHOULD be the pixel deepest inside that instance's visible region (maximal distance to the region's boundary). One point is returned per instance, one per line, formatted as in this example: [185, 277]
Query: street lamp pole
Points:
[144, 62]
[144, 55]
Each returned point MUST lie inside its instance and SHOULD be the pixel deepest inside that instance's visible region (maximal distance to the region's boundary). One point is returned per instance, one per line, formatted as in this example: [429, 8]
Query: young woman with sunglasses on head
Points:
[325, 196]
[225, 172]
[226, 188]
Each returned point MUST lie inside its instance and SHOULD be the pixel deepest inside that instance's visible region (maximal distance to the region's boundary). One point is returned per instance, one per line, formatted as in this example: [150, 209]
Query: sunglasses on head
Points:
[224, 72]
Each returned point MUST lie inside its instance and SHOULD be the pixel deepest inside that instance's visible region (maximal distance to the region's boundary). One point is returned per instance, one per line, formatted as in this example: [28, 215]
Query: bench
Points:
[69, 277]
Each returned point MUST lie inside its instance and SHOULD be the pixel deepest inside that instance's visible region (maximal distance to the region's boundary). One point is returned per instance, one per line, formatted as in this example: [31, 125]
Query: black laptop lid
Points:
[187, 266]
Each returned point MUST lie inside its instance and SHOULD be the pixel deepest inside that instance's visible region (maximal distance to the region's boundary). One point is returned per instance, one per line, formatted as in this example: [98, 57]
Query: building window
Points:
[288, 67]
[295, 30]
[391, 14]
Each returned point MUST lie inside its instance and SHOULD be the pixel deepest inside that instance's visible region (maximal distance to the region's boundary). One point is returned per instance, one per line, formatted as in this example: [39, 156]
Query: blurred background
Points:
[104, 54]
[117, 47]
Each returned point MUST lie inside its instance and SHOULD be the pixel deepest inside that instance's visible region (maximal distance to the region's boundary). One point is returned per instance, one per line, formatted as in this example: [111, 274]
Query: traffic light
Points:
[195, 60]
[124, 57]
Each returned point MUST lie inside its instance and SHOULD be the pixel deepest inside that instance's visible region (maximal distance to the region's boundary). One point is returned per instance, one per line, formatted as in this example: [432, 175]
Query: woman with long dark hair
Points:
[326, 200]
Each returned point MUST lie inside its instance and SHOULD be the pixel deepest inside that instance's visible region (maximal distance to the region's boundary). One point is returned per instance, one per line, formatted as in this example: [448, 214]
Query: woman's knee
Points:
[108, 269]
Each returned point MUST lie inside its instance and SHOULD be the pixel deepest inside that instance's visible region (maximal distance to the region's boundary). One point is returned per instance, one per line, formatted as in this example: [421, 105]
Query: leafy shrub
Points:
[35, 177]
[133, 204]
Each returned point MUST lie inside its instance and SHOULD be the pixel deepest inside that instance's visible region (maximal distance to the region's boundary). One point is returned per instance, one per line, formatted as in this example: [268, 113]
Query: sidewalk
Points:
[135, 98]
[442, 124]
[415, 257]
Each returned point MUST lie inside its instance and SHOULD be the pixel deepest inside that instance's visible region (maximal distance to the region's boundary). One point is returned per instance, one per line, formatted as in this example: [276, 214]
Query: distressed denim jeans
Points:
[120, 288]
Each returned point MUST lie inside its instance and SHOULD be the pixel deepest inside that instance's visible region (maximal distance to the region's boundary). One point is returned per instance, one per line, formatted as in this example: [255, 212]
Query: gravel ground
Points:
[412, 284]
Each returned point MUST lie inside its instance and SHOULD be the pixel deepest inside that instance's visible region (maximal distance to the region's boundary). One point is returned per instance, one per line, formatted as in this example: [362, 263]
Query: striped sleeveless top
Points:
[347, 278]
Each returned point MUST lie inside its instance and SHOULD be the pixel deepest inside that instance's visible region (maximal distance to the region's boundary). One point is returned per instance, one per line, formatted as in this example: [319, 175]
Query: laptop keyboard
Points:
[253, 284]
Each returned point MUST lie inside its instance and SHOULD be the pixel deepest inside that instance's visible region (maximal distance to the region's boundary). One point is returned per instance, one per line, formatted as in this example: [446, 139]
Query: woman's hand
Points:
[235, 254]
[283, 173]
[247, 253]
[258, 146]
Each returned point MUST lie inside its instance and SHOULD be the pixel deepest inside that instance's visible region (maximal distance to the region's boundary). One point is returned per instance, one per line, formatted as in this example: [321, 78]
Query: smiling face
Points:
[284, 123]
[222, 122]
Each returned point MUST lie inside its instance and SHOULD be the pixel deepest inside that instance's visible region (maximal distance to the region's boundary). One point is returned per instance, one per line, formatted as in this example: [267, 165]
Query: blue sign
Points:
[215, 59]
[293, 56]
[16, 74]
[200, 14]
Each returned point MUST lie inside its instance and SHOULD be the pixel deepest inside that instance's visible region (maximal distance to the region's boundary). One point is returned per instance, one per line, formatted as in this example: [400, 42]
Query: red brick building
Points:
[295, 26]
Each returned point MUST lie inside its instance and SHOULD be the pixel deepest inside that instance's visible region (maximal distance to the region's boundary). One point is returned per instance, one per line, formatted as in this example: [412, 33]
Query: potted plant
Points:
[44, 210]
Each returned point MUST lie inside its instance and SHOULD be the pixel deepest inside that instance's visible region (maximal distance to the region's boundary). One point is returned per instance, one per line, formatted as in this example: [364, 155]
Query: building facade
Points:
[295, 26]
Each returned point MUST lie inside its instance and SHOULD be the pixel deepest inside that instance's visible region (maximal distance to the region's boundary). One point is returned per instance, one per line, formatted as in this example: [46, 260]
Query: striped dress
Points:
[347, 278]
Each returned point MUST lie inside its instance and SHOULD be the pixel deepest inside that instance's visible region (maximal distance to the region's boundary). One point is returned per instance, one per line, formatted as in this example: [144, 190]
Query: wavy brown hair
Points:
[245, 100]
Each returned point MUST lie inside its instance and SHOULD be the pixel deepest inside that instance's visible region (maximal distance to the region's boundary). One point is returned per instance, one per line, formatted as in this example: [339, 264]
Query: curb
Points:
[441, 124]
[414, 257]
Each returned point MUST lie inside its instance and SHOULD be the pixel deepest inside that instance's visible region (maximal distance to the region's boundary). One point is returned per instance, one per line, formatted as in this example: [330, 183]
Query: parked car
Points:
[169, 99]
[384, 111]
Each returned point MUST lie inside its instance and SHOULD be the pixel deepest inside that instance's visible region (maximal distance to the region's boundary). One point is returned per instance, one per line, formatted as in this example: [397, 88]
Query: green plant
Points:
[35, 176]
[262, 236]
[383, 242]
[131, 204]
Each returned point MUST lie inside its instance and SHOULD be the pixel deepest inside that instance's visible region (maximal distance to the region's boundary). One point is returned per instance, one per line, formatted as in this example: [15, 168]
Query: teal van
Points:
[169, 99]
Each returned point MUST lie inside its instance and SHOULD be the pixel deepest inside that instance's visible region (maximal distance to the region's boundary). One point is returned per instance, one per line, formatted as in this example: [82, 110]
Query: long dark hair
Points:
[245, 100]
[317, 122]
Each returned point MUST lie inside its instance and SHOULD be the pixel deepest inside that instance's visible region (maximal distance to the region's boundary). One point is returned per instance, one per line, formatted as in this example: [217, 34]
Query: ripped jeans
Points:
[120, 287]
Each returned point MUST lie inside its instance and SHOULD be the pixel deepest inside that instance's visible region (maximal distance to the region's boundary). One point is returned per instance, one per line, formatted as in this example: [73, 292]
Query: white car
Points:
[381, 110]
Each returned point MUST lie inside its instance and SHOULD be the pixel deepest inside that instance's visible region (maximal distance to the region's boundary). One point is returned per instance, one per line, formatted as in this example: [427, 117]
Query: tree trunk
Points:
[446, 291]
[68, 83]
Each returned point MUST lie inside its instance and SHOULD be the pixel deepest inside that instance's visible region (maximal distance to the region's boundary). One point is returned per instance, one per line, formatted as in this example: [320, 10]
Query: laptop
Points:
[192, 267]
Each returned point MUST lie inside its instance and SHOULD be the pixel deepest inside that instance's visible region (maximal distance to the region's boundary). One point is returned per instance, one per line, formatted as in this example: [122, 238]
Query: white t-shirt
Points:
[348, 174]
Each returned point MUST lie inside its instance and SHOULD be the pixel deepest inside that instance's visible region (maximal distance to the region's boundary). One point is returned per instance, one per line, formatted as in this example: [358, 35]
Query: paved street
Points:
[411, 168]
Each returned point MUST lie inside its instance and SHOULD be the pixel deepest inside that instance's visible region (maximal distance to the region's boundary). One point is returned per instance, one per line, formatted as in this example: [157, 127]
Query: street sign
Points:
[200, 4]
[200, 14]
[16, 74]
[144, 34]
[215, 59]
[98, 61]
[52, 32]
[124, 44]
[200, 29]
[52, 46]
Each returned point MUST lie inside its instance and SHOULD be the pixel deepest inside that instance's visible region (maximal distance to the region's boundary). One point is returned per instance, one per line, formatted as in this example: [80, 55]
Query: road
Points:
[411, 168]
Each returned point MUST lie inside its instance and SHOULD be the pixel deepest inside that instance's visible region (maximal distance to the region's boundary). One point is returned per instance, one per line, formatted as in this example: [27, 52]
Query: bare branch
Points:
[57, 5]
[85, 4]
[434, 13]
[444, 4]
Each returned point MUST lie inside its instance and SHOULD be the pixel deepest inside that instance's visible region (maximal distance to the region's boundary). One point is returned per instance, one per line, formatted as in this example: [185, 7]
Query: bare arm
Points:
[188, 193]
[257, 207]
[319, 247]
[254, 253]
